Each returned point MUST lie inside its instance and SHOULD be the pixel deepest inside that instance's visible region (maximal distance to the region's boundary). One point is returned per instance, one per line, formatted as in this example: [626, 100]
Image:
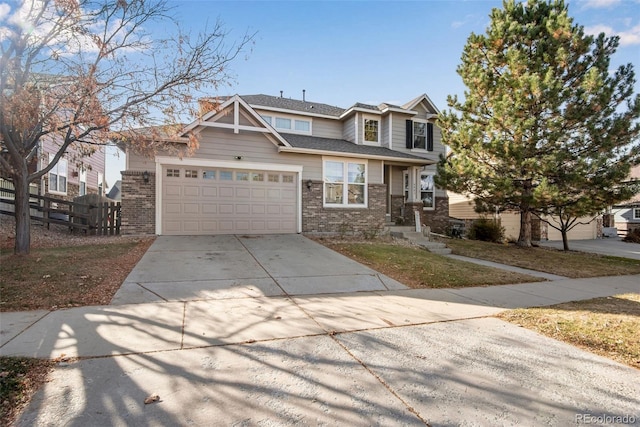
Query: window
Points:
[288, 179]
[189, 173]
[344, 183]
[58, 176]
[242, 176]
[256, 176]
[419, 135]
[636, 213]
[206, 174]
[226, 176]
[371, 130]
[427, 190]
[267, 119]
[303, 126]
[282, 123]
[83, 182]
[173, 173]
[274, 177]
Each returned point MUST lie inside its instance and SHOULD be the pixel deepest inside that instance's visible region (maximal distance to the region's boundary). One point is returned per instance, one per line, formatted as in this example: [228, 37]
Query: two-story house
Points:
[268, 164]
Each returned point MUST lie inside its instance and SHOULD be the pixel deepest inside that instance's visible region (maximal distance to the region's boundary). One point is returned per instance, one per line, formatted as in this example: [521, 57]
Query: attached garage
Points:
[200, 199]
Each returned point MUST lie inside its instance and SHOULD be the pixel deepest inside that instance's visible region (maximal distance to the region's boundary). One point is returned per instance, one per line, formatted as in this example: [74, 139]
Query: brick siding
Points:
[318, 219]
[138, 204]
[437, 219]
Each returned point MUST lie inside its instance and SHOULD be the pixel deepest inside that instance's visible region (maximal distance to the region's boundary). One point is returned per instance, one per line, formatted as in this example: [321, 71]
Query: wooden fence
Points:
[96, 218]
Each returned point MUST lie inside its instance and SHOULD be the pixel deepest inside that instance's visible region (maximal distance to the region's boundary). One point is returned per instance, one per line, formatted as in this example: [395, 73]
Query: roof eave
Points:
[355, 155]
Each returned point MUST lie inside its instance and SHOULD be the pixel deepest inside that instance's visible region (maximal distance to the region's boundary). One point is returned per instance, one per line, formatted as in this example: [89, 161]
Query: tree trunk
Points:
[565, 240]
[22, 212]
[524, 239]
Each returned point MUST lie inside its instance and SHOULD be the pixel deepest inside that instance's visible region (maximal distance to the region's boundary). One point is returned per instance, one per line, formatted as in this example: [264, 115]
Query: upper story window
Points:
[345, 183]
[372, 130]
[288, 124]
[419, 135]
[58, 176]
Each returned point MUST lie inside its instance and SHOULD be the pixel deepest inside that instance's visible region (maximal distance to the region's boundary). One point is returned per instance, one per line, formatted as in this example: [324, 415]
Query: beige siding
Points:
[218, 144]
[510, 221]
[327, 128]
[349, 129]
[461, 207]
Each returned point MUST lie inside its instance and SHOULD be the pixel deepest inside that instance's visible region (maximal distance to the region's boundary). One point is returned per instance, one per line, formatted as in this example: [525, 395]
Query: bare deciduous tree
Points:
[74, 71]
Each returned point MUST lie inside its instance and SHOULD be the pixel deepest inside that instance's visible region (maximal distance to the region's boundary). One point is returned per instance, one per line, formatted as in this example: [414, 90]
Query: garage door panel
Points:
[209, 192]
[173, 190]
[216, 201]
[225, 209]
[209, 208]
[226, 192]
[243, 193]
[242, 208]
[191, 191]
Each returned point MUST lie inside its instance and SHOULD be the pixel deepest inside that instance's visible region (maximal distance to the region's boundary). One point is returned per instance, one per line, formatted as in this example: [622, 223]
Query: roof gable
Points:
[237, 115]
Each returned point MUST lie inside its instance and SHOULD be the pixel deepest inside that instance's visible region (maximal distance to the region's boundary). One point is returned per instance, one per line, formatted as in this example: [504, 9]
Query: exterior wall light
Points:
[145, 177]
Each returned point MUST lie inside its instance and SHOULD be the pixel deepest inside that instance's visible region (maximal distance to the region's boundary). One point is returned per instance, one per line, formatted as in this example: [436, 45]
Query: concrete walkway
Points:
[613, 246]
[256, 346]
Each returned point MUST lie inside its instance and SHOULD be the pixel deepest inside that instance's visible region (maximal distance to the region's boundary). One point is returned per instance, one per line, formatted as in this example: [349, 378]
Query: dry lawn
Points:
[607, 326]
[568, 264]
[418, 268]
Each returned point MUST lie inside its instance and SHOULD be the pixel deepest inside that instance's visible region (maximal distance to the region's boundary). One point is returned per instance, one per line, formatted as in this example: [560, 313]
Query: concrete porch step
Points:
[409, 233]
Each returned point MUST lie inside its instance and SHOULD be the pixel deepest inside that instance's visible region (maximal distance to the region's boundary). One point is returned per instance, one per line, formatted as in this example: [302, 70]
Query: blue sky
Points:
[342, 52]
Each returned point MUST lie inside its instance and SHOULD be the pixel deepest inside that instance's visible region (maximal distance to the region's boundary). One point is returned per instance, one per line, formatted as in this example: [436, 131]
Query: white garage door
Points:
[197, 200]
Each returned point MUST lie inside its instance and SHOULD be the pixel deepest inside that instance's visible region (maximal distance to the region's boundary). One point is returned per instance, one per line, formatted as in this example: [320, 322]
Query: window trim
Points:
[634, 212]
[376, 119]
[56, 171]
[82, 178]
[345, 189]
[272, 120]
[433, 191]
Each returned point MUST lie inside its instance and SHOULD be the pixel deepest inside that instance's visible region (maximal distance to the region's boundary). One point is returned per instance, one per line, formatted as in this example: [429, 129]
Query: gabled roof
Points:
[412, 104]
[318, 145]
[281, 103]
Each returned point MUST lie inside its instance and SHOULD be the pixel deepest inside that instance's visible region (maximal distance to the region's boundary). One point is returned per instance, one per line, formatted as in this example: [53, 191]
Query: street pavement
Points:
[279, 330]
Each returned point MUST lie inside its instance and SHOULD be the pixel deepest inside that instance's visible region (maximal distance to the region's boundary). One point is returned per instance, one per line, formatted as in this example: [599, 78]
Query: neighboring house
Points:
[114, 192]
[269, 164]
[73, 175]
[627, 214]
[463, 208]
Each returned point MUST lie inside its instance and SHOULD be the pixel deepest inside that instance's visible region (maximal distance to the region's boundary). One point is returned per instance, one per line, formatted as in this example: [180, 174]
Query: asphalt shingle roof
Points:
[342, 146]
[293, 104]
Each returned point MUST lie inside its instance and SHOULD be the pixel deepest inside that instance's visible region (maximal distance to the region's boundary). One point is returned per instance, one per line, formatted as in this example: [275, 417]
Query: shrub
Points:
[486, 230]
[633, 236]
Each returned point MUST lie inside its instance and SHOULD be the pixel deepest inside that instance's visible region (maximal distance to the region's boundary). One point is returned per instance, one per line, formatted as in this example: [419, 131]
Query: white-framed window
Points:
[636, 213]
[83, 182]
[371, 130]
[267, 119]
[282, 123]
[302, 126]
[427, 190]
[100, 184]
[58, 176]
[420, 135]
[345, 183]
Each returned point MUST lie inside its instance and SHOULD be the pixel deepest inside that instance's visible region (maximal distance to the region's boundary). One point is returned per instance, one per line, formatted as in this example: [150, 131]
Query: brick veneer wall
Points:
[437, 219]
[138, 203]
[318, 219]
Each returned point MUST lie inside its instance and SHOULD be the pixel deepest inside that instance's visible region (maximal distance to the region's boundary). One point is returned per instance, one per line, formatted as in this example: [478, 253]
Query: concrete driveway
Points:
[228, 266]
[613, 246]
[278, 330]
